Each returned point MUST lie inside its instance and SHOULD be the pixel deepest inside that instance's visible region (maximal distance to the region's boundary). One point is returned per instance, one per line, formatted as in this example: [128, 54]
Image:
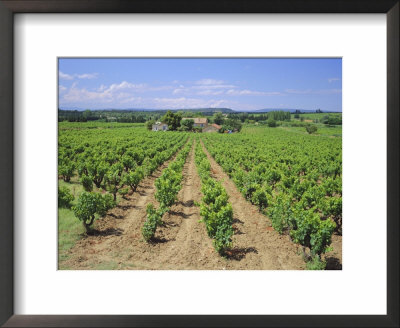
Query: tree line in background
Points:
[176, 123]
[107, 116]
[275, 115]
[123, 116]
[227, 121]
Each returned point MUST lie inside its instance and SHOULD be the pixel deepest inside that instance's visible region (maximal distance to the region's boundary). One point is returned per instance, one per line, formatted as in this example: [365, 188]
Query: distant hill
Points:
[266, 110]
[197, 110]
[203, 110]
[292, 110]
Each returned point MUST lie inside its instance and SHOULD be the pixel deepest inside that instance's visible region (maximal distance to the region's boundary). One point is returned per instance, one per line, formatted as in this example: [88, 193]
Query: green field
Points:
[313, 116]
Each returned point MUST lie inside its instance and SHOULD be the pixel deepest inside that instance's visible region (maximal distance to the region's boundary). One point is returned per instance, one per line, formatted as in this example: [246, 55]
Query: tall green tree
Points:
[187, 125]
[149, 124]
[218, 118]
[173, 120]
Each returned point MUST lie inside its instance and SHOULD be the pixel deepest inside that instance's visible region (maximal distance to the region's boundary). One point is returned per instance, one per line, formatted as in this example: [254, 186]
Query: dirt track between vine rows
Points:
[182, 242]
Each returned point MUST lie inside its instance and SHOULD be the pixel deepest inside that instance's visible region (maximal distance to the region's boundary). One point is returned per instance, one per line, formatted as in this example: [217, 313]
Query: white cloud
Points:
[209, 82]
[123, 85]
[175, 96]
[203, 88]
[333, 79]
[300, 92]
[116, 94]
[178, 90]
[246, 92]
[63, 76]
[76, 95]
[87, 76]
[183, 102]
[314, 92]
[61, 88]
[134, 100]
[209, 92]
[213, 86]
[328, 91]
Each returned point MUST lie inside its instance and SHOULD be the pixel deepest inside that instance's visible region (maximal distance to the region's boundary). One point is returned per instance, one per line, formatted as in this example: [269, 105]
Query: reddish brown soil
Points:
[182, 242]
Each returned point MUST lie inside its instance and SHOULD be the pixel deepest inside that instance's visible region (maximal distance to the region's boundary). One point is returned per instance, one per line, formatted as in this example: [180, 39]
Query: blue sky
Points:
[240, 84]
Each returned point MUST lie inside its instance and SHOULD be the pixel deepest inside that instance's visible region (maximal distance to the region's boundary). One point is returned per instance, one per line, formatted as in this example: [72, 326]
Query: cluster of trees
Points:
[279, 115]
[188, 125]
[231, 125]
[329, 119]
[251, 117]
[218, 118]
[175, 123]
[76, 116]
[123, 116]
[332, 120]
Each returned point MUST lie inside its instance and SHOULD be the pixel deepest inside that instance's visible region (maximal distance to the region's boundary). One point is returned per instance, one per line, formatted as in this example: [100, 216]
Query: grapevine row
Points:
[167, 188]
[294, 180]
[215, 209]
[115, 160]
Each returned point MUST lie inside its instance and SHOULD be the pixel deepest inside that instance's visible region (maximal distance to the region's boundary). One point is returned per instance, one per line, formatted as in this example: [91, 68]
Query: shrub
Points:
[87, 182]
[332, 208]
[90, 203]
[149, 124]
[315, 263]
[113, 180]
[280, 213]
[128, 162]
[271, 123]
[64, 197]
[153, 219]
[168, 186]
[259, 198]
[311, 129]
[66, 170]
[97, 171]
[223, 236]
[123, 192]
[310, 231]
[133, 178]
[105, 203]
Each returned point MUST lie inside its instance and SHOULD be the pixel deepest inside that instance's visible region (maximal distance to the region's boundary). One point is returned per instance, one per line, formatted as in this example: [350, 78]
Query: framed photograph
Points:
[183, 164]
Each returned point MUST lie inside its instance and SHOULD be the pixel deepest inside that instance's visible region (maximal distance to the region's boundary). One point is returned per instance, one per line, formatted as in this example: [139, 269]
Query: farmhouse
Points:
[160, 126]
[200, 122]
[212, 128]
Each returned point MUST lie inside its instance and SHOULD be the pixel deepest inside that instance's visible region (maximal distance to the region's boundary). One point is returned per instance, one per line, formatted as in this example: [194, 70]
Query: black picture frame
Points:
[10, 7]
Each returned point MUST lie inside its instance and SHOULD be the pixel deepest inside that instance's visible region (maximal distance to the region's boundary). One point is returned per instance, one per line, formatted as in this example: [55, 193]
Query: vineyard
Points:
[264, 198]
